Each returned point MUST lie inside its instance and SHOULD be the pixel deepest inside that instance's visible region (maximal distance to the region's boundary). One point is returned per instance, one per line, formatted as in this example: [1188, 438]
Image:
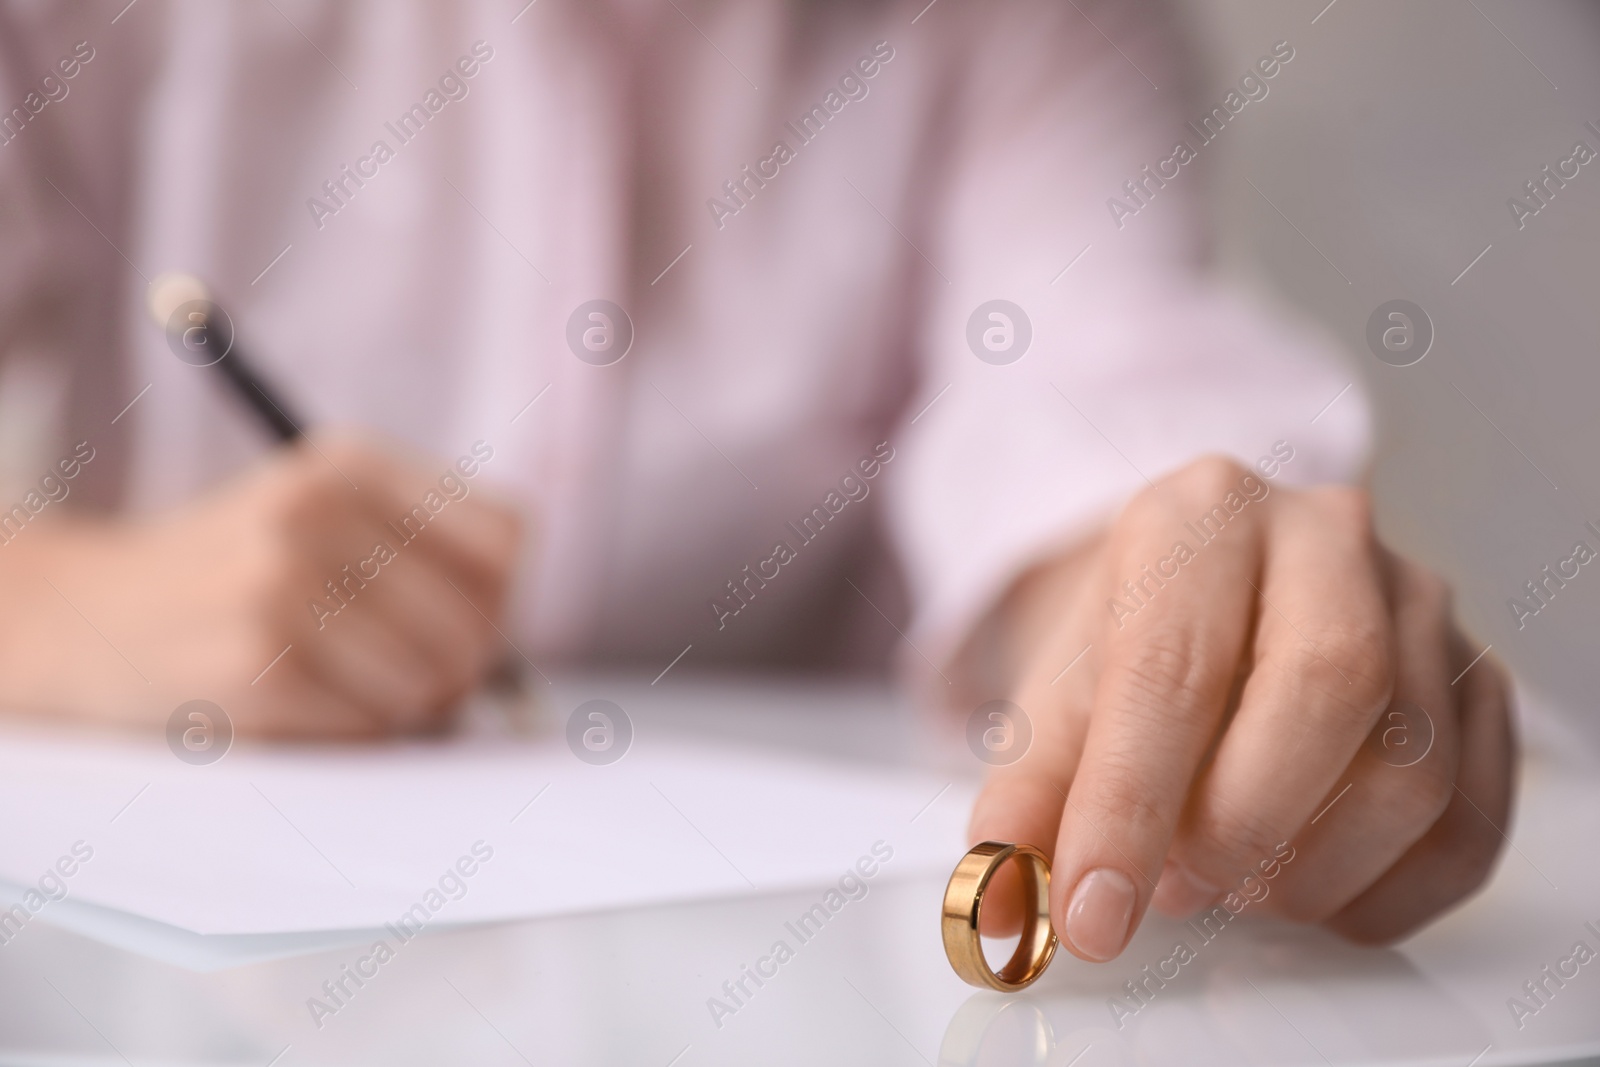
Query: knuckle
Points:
[1210, 476]
[1421, 795]
[1122, 808]
[1351, 666]
[340, 445]
[1349, 506]
[306, 499]
[1146, 508]
[1202, 483]
[1162, 670]
[1233, 839]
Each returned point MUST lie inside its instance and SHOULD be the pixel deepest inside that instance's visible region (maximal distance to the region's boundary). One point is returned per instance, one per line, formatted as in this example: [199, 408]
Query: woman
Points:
[698, 286]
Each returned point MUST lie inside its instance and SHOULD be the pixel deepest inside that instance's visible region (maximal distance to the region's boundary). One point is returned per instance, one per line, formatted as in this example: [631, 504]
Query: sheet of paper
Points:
[269, 841]
[181, 948]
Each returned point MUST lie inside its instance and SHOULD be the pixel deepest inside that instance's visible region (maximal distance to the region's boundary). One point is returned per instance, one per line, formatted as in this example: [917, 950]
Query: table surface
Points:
[871, 986]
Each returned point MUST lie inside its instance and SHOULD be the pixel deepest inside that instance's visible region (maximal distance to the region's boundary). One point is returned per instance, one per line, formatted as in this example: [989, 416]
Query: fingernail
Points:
[1099, 913]
[1180, 894]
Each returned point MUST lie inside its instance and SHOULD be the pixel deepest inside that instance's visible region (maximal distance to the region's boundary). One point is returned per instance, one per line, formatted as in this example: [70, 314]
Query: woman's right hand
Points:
[126, 619]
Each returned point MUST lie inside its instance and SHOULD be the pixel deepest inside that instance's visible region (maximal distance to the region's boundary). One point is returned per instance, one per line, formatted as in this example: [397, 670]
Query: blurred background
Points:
[1392, 147]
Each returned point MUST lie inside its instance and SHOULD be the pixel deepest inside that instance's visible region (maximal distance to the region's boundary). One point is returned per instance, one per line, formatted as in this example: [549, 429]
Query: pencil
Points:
[201, 334]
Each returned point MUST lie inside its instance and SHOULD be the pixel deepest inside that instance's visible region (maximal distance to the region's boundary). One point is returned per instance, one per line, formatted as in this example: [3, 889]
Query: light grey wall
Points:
[1393, 141]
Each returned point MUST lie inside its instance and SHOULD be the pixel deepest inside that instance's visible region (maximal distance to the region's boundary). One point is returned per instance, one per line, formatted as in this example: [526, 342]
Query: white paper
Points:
[271, 841]
[168, 944]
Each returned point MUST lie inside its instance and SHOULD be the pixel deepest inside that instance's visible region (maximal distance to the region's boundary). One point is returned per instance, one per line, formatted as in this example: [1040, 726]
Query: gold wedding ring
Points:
[963, 902]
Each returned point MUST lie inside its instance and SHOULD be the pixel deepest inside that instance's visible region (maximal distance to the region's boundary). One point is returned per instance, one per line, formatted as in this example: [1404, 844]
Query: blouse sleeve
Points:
[1073, 347]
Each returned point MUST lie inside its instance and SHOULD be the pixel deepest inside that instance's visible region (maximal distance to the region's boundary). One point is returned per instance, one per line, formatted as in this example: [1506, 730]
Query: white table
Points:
[872, 987]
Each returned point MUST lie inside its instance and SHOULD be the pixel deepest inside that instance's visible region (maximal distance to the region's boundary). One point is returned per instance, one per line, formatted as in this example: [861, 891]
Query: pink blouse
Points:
[881, 313]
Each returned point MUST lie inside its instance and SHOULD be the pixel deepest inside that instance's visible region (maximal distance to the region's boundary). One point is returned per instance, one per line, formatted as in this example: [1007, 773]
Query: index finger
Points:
[434, 506]
[1180, 590]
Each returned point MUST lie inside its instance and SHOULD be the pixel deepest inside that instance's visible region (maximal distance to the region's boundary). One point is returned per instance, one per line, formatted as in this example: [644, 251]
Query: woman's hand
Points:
[1267, 693]
[270, 597]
